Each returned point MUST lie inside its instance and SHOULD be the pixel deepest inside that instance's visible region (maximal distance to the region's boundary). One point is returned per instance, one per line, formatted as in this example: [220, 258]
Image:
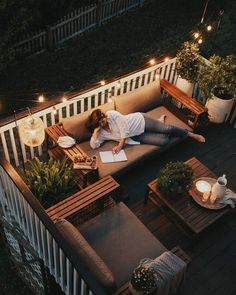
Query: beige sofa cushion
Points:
[140, 100]
[75, 126]
[135, 153]
[86, 254]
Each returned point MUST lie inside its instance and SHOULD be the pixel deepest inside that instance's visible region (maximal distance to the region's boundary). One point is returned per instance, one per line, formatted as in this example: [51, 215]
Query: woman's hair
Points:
[94, 118]
[144, 279]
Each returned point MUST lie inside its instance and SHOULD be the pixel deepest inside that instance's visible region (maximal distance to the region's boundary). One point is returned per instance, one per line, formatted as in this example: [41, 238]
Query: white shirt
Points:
[121, 126]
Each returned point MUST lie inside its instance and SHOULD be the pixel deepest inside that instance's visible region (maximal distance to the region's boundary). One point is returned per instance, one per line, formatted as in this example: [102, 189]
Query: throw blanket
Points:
[170, 272]
[229, 198]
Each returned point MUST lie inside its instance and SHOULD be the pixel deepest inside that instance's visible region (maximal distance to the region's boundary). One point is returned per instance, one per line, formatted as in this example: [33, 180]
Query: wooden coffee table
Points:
[184, 211]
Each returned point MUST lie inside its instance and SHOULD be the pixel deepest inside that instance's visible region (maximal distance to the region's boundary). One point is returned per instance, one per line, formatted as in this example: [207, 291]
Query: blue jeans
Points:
[158, 133]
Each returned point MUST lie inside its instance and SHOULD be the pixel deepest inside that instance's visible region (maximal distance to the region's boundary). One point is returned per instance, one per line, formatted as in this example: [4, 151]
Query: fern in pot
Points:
[217, 80]
[51, 181]
[188, 63]
[175, 178]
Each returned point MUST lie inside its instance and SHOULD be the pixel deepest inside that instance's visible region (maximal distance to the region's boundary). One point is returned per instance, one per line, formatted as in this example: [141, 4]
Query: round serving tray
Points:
[197, 196]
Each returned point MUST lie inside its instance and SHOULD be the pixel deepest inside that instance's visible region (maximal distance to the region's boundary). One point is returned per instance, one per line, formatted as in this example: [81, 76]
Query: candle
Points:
[203, 186]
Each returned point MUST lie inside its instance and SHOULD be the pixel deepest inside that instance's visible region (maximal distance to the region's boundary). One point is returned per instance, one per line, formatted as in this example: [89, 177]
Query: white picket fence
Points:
[12, 149]
[74, 24]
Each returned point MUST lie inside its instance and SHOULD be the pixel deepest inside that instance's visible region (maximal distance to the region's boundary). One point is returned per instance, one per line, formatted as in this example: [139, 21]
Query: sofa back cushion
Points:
[86, 254]
[76, 126]
[142, 99]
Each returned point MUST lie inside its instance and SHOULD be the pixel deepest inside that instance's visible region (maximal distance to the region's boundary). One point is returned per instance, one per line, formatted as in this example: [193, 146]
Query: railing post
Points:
[49, 39]
[99, 13]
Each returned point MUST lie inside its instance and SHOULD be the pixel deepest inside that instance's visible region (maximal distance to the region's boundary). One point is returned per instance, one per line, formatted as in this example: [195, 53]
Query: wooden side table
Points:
[53, 133]
[184, 211]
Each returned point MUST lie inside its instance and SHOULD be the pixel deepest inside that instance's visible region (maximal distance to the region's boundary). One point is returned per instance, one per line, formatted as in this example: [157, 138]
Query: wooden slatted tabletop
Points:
[187, 214]
[54, 132]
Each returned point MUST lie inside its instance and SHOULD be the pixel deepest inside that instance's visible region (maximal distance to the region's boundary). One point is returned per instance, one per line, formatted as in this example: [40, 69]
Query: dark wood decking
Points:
[213, 267]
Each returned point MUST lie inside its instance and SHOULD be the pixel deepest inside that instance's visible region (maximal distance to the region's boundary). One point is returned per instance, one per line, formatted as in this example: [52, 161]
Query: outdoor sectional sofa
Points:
[149, 99]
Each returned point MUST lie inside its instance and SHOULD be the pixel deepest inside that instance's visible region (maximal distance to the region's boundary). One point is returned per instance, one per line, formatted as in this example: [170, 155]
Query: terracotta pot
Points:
[219, 109]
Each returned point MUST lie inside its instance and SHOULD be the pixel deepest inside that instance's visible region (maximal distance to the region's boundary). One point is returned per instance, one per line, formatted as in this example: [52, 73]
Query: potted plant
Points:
[217, 82]
[51, 181]
[188, 63]
[175, 179]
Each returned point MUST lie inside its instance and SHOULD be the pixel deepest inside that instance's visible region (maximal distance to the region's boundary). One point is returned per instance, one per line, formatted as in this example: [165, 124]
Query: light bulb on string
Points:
[196, 35]
[152, 61]
[103, 82]
[64, 99]
[209, 28]
[200, 40]
[166, 59]
[41, 98]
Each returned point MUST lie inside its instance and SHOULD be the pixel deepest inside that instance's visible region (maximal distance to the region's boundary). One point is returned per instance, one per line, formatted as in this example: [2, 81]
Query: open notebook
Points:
[110, 157]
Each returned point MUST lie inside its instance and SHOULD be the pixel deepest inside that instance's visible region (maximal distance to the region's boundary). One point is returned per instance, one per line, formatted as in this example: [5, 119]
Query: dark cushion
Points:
[135, 153]
[76, 126]
[142, 99]
[121, 240]
[86, 254]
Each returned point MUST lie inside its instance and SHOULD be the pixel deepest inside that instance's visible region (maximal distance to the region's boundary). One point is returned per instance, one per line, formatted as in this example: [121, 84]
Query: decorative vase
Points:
[219, 109]
[219, 188]
[185, 86]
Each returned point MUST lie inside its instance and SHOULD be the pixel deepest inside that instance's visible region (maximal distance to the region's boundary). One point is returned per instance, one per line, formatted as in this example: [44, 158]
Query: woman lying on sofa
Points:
[134, 128]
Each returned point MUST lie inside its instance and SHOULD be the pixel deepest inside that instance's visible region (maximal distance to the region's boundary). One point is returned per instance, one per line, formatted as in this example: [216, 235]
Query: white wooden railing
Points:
[11, 148]
[33, 224]
[74, 24]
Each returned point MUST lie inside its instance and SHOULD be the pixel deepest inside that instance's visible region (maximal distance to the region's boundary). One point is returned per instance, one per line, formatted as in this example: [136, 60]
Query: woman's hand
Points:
[95, 132]
[118, 147]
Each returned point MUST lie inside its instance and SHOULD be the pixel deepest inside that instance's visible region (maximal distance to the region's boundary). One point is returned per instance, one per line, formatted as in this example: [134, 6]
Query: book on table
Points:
[110, 157]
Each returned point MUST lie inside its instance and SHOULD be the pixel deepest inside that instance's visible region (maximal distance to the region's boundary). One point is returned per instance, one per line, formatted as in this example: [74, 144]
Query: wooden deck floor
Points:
[213, 266]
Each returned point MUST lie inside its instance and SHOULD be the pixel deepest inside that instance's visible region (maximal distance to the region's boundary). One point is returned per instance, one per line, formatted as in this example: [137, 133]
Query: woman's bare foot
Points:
[162, 118]
[197, 137]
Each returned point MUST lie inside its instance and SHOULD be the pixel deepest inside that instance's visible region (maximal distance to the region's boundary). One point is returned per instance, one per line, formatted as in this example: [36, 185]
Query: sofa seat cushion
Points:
[121, 240]
[142, 99]
[135, 153]
[76, 126]
[80, 248]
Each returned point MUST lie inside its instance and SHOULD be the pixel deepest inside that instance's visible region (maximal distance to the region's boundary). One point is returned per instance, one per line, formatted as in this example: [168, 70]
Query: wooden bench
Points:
[92, 198]
[190, 103]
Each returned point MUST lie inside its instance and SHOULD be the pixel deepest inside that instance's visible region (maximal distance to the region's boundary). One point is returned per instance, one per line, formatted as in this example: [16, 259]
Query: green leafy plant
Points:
[51, 181]
[175, 178]
[218, 77]
[188, 62]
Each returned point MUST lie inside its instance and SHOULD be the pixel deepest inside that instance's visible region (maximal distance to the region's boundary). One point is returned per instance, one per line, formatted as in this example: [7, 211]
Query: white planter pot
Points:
[185, 86]
[219, 109]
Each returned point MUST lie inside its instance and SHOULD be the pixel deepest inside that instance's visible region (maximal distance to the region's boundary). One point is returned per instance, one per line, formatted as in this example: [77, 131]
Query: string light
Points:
[196, 35]
[103, 82]
[152, 61]
[209, 28]
[200, 41]
[166, 59]
[41, 98]
[64, 99]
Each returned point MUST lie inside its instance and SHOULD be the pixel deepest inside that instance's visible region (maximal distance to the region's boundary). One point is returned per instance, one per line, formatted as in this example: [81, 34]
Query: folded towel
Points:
[229, 198]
